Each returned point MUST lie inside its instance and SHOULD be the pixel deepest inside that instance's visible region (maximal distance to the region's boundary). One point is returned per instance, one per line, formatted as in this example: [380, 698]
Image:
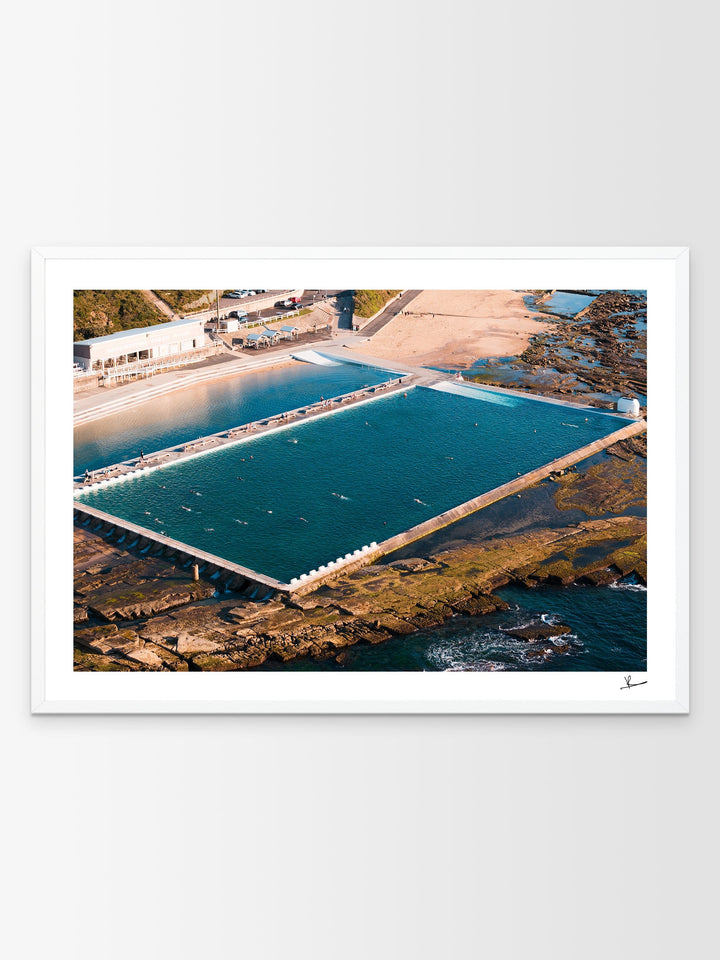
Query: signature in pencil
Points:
[629, 683]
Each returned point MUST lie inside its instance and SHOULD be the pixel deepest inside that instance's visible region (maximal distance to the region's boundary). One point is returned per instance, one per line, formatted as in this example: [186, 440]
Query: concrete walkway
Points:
[243, 431]
[163, 307]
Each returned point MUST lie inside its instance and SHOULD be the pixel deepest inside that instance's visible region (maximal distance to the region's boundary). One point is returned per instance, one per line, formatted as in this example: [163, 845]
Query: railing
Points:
[147, 368]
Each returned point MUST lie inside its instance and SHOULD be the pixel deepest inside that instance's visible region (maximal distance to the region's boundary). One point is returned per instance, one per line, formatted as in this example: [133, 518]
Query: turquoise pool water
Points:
[287, 502]
[211, 407]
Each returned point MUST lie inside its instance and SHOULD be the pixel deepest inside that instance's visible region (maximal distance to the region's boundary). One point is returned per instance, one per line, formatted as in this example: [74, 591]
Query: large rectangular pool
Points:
[286, 502]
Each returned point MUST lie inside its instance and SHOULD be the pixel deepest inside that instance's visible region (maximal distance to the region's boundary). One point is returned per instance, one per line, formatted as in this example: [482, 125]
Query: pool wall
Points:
[127, 469]
[148, 542]
[112, 526]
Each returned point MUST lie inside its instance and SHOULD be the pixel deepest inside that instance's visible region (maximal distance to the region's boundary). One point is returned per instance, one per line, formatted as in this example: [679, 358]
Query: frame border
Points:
[40, 704]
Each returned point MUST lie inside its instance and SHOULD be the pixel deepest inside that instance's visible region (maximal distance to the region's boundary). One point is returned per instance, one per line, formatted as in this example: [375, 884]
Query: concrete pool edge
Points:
[170, 456]
[193, 554]
[304, 583]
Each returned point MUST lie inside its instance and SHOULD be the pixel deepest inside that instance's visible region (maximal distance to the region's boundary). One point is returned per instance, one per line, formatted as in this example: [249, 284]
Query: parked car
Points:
[295, 299]
[240, 314]
[233, 294]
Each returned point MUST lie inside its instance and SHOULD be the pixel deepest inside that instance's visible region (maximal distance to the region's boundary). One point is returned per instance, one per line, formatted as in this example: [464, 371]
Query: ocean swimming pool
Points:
[208, 408]
[286, 502]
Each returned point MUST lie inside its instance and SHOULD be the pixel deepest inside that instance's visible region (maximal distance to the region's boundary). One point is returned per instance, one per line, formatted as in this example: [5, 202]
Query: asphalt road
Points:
[390, 311]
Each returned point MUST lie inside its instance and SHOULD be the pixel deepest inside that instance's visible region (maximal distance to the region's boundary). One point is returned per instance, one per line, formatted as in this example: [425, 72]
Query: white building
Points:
[629, 405]
[228, 325]
[141, 343]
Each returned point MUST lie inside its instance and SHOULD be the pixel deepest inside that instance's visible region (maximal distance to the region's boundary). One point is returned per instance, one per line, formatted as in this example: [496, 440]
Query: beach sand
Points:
[456, 327]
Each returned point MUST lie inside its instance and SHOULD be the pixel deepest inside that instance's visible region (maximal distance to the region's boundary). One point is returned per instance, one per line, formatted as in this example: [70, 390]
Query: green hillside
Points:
[98, 312]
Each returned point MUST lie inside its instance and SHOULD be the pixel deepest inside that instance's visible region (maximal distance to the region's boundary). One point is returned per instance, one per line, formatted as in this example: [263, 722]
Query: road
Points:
[390, 311]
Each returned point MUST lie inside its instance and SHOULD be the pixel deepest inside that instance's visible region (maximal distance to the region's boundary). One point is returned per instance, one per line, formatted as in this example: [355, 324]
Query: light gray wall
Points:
[414, 123]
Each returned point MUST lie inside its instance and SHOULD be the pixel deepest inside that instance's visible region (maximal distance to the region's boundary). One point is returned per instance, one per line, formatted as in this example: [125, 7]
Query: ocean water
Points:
[286, 502]
[609, 627]
[211, 407]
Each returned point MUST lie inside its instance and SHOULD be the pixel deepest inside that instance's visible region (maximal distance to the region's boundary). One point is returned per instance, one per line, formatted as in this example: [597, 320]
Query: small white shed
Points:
[629, 405]
[228, 325]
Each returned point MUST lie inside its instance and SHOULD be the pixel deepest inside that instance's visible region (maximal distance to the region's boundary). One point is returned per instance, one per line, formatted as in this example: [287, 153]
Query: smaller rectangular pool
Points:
[210, 407]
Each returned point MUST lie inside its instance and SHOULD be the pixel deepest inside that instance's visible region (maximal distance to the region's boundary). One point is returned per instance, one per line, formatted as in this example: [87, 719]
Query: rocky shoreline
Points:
[601, 351]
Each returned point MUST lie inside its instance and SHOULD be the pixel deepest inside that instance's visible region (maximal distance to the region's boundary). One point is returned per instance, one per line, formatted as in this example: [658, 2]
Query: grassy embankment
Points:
[368, 302]
[99, 312]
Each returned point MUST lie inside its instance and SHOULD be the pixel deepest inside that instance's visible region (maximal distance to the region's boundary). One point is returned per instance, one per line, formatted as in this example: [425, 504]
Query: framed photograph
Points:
[360, 496]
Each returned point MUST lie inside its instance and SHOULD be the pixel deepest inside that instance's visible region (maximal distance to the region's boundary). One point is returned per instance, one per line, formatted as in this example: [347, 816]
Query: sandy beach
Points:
[457, 327]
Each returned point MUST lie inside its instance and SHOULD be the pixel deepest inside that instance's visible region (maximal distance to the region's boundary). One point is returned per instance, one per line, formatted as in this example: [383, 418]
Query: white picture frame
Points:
[663, 272]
